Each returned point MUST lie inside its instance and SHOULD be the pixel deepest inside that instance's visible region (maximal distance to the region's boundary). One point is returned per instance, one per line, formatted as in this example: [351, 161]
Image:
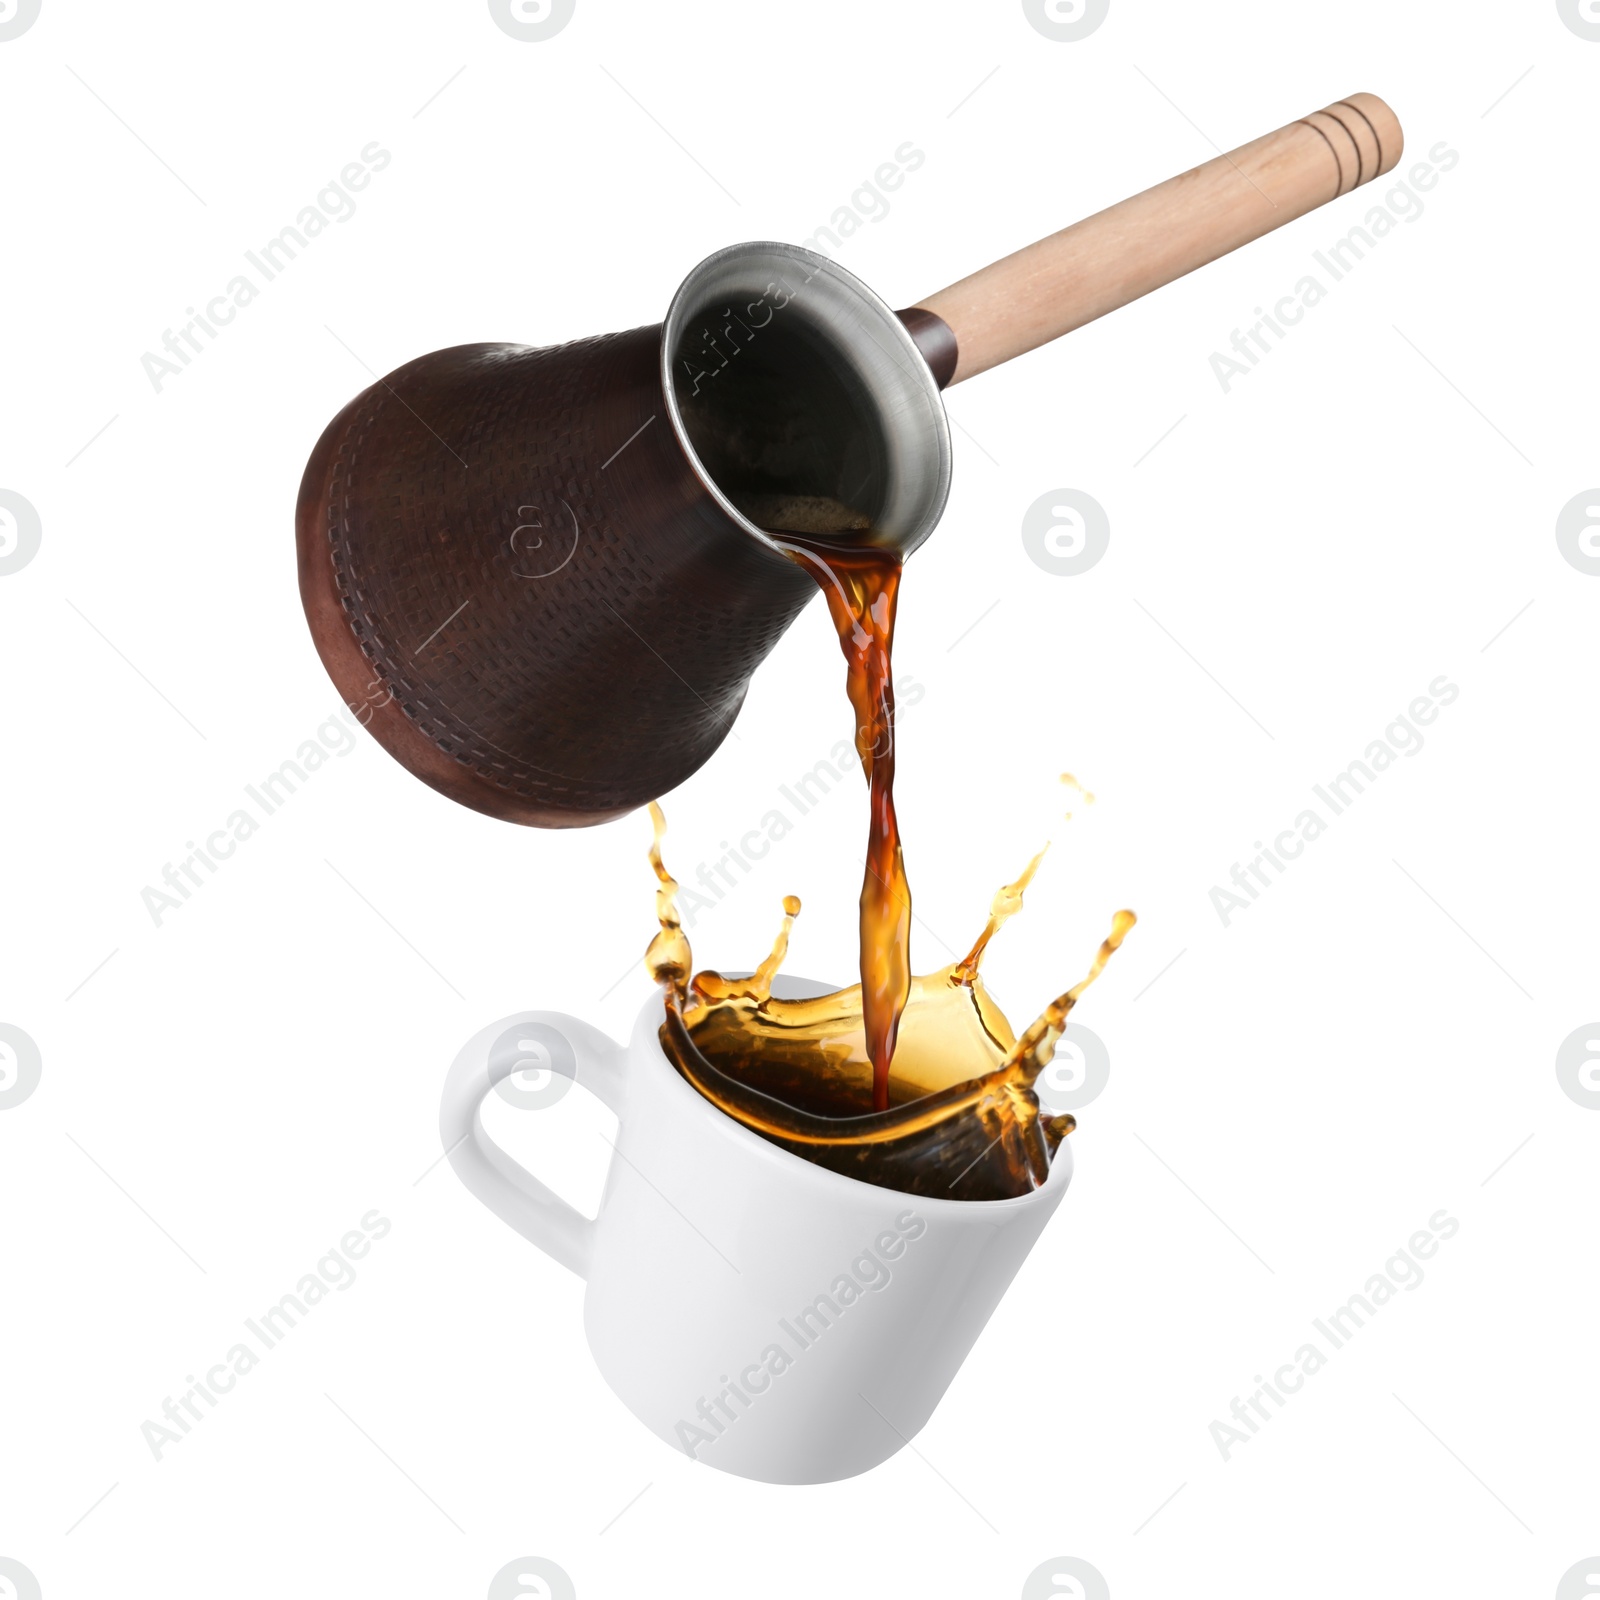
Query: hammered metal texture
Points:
[514, 576]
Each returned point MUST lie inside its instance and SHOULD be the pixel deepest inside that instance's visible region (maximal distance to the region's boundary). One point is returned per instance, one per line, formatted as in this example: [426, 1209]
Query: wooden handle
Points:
[1115, 256]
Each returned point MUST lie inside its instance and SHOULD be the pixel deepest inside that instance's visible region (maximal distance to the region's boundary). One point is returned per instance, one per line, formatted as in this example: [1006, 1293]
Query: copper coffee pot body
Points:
[536, 638]
[522, 567]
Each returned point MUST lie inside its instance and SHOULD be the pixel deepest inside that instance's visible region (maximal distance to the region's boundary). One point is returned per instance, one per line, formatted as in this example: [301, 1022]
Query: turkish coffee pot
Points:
[540, 577]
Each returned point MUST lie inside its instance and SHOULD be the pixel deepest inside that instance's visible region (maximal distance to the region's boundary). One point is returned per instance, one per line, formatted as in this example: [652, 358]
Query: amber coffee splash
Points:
[964, 1122]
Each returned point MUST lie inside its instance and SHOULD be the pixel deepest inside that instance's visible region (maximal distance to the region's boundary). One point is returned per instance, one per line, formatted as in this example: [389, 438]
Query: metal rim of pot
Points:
[864, 337]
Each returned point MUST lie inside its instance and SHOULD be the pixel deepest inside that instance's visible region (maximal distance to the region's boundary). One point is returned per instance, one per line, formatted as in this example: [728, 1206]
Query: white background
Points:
[1291, 1097]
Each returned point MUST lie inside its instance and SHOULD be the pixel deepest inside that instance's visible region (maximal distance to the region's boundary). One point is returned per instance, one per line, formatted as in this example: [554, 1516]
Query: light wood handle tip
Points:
[1364, 136]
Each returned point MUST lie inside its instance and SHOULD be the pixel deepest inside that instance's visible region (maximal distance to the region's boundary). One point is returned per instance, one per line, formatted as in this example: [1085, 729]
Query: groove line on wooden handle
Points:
[1306, 122]
[1377, 138]
[1339, 137]
[1361, 176]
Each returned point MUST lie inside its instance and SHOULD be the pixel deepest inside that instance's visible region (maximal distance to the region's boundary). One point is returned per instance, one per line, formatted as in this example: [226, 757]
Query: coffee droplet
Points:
[668, 958]
[1073, 784]
[1005, 905]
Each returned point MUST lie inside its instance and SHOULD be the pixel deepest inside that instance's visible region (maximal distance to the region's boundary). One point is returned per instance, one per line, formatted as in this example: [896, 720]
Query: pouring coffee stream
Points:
[862, 586]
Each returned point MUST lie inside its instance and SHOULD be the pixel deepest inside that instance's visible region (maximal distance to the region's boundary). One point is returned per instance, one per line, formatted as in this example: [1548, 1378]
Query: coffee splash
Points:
[964, 1122]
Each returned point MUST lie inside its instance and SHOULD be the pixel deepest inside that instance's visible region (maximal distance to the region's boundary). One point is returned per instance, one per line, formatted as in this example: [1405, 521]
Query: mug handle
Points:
[512, 1193]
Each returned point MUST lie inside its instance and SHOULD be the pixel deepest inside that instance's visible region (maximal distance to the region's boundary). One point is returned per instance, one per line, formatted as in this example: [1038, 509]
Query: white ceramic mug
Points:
[760, 1313]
